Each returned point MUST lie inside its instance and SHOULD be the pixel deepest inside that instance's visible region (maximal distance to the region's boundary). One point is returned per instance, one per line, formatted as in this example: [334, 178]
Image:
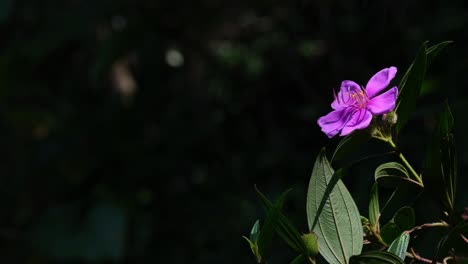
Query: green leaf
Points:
[374, 208]
[440, 164]
[433, 51]
[254, 249]
[404, 218]
[400, 245]
[411, 83]
[376, 257]
[253, 241]
[332, 214]
[283, 227]
[389, 232]
[350, 143]
[392, 175]
[410, 87]
[454, 241]
[269, 226]
[254, 233]
[298, 259]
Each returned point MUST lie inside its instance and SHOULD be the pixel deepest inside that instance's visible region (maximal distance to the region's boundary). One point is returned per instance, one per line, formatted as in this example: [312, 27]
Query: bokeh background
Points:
[134, 131]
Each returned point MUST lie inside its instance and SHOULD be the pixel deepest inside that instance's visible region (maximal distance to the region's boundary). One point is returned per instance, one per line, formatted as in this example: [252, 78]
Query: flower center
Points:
[358, 98]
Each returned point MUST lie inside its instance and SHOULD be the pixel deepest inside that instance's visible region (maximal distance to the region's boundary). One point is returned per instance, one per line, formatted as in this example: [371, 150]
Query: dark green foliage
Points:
[376, 257]
[95, 171]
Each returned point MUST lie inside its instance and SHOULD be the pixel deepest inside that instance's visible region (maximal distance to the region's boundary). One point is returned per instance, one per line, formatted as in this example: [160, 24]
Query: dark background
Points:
[134, 131]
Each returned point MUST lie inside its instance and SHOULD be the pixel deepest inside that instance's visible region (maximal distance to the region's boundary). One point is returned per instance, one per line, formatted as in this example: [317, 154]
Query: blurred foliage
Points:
[133, 131]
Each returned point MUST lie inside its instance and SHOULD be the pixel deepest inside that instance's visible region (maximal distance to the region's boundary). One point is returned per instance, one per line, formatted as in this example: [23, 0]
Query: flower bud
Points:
[391, 118]
[310, 241]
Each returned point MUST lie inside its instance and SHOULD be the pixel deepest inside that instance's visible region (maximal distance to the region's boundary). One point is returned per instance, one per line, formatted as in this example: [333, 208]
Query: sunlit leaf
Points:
[374, 208]
[392, 175]
[254, 233]
[400, 245]
[332, 214]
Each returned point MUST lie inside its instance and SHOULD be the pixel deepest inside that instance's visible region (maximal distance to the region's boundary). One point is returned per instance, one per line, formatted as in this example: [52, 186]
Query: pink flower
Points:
[354, 106]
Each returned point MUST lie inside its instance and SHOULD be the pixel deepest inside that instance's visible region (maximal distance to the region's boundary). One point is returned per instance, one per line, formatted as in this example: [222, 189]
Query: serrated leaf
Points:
[376, 257]
[405, 218]
[400, 245]
[374, 208]
[332, 214]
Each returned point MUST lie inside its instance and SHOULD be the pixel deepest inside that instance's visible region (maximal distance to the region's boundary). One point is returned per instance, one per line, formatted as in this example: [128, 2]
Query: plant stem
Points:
[405, 161]
[416, 257]
[436, 224]
[389, 140]
[311, 260]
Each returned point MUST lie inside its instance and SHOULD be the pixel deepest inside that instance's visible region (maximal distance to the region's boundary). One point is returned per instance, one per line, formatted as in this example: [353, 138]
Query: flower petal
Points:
[383, 103]
[332, 123]
[360, 119]
[343, 99]
[380, 81]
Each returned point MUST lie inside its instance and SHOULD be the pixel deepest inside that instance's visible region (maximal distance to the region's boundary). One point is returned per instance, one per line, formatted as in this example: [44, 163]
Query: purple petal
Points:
[343, 99]
[380, 81]
[332, 123]
[383, 103]
[360, 119]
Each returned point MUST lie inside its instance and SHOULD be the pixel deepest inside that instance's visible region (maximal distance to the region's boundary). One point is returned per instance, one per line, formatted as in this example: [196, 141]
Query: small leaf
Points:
[405, 218]
[400, 245]
[389, 232]
[332, 214]
[393, 175]
[374, 208]
[376, 257]
[251, 244]
[254, 249]
[254, 233]
[410, 87]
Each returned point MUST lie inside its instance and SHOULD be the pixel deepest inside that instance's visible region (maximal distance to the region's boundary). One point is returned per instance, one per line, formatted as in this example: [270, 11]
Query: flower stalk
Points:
[388, 139]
